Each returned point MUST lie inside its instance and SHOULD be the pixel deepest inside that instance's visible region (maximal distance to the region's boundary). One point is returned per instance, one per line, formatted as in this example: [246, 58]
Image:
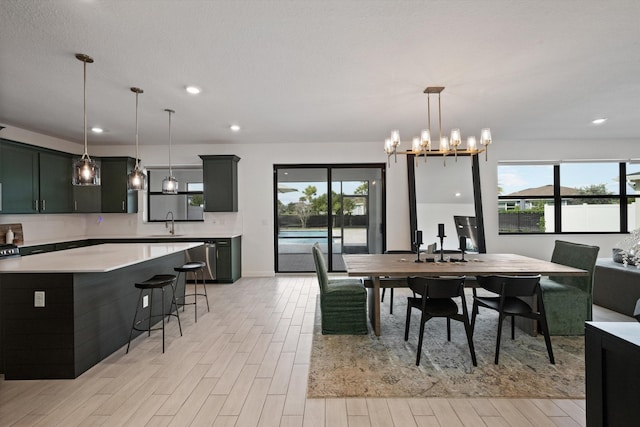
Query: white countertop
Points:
[92, 259]
[206, 236]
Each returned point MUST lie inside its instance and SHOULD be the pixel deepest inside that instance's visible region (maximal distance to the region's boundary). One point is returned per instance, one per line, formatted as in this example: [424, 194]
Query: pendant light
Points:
[137, 180]
[170, 183]
[85, 170]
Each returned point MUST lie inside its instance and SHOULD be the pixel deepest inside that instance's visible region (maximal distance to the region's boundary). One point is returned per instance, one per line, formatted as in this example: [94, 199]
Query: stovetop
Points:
[9, 250]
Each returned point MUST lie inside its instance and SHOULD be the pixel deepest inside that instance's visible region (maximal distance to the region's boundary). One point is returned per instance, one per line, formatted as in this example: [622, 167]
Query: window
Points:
[567, 197]
[341, 207]
[187, 205]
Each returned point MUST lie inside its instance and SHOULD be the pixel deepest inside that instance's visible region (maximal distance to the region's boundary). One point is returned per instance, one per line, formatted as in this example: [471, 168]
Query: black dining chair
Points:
[506, 302]
[435, 298]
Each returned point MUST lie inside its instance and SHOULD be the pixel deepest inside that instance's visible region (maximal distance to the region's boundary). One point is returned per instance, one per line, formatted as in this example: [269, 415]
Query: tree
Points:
[594, 190]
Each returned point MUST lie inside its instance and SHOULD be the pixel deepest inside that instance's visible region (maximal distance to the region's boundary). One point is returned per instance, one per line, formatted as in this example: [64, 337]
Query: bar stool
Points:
[192, 267]
[159, 281]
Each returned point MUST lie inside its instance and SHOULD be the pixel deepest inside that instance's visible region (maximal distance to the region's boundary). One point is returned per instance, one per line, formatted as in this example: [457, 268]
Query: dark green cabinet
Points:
[87, 198]
[19, 177]
[55, 183]
[34, 180]
[115, 197]
[228, 259]
[220, 176]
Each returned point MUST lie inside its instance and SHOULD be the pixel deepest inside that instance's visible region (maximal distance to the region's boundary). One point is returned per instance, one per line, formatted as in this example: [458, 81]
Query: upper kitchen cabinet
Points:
[34, 180]
[116, 198]
[220, 175]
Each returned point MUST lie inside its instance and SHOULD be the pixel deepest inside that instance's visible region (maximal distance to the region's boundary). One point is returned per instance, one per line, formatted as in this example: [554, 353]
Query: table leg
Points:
[373, 297]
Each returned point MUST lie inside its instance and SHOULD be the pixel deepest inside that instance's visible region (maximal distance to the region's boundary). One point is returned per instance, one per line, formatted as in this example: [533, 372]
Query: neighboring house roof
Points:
[633, 176]
[545, 190]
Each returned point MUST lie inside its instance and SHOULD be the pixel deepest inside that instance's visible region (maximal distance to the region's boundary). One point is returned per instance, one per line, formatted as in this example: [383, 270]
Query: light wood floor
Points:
[245, 364]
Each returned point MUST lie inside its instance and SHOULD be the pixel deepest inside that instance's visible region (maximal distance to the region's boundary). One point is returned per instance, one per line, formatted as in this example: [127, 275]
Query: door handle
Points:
[123, 206]
[44, 205]
[37, 205]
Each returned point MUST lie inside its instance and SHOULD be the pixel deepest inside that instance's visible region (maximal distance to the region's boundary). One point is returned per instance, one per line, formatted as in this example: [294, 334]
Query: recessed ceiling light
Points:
[96, 129]
[193, 90]
[235, 128]
[458, 194]
[599, 121]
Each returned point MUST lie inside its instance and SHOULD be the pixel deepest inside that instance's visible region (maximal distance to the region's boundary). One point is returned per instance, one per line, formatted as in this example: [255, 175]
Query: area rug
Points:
[370, 366]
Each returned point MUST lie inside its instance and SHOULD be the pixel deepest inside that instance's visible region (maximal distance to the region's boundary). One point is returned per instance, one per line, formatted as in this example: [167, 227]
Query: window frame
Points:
[622, 197]
[160, 193]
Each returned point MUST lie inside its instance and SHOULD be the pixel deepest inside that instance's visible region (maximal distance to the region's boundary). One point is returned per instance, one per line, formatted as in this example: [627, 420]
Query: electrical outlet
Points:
[145, 301]
[38, 299]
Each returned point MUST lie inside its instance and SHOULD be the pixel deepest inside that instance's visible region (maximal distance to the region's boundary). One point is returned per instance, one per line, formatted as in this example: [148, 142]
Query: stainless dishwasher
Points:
[206, 253]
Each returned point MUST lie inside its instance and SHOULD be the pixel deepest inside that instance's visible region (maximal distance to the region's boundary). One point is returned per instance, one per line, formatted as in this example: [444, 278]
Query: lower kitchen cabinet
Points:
[228, 259]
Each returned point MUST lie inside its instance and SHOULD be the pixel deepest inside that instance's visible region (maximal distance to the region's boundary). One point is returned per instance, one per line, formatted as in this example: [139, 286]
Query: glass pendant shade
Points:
[137, 180]
[170, 185]
[85, 170]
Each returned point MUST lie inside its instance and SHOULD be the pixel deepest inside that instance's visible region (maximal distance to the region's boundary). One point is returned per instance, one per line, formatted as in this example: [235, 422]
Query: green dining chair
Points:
[343, 301]
[568, 299]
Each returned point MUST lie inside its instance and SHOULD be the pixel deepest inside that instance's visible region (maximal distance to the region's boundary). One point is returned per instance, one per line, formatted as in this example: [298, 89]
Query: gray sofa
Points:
[615, 286]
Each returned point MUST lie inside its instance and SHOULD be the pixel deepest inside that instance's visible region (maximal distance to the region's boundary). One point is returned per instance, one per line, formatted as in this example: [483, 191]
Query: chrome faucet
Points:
[172, 231]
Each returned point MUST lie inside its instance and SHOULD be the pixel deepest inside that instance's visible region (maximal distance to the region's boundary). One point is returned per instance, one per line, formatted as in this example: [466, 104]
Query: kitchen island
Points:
[64, 311]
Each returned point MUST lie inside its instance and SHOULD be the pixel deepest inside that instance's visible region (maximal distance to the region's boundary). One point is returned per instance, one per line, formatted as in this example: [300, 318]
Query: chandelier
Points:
[421, 145]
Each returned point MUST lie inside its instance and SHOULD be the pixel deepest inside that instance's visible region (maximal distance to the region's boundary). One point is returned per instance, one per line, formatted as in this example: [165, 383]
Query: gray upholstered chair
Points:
[568, 299]
[343, 302]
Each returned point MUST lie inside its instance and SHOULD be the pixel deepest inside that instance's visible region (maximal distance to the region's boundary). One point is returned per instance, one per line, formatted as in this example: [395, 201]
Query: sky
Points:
[512, 178]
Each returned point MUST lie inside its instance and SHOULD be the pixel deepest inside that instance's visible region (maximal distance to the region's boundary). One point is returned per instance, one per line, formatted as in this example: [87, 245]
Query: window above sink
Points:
[187, 205]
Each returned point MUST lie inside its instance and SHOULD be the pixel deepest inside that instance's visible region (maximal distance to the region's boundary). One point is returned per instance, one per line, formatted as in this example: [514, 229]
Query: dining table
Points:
[376, 266]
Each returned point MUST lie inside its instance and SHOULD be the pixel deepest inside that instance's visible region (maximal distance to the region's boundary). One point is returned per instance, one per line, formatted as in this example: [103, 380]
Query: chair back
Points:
[510, 286]
[579, 256]
[321, 267]
[437, 287]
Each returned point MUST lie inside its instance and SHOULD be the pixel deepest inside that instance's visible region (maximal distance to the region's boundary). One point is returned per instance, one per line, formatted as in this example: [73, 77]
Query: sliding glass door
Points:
[341, 207]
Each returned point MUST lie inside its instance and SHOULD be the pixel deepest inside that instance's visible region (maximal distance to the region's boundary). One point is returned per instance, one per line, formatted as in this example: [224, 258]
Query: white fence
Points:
[585, 217]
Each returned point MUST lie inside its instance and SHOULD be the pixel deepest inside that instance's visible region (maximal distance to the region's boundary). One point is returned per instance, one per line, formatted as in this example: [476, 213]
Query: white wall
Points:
[255, 180]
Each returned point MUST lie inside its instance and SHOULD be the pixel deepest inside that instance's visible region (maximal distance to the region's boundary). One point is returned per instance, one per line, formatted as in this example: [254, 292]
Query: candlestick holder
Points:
[442, 247]
[417, 246]
[463, 246]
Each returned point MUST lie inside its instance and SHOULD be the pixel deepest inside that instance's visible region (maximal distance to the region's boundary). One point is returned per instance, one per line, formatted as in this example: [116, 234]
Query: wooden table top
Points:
[476, 265]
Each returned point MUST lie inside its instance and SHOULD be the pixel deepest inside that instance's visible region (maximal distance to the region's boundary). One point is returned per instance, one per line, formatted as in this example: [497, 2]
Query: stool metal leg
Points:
[162, 311]
[175, 303]
[134, 320]
[150, 312]
[204, 286]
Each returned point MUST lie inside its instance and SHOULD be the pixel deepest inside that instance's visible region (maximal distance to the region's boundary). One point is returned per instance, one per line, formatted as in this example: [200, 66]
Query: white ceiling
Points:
[321, 71]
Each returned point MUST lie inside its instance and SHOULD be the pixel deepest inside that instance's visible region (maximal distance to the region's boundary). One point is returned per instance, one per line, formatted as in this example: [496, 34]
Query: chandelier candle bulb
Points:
[472, 144]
